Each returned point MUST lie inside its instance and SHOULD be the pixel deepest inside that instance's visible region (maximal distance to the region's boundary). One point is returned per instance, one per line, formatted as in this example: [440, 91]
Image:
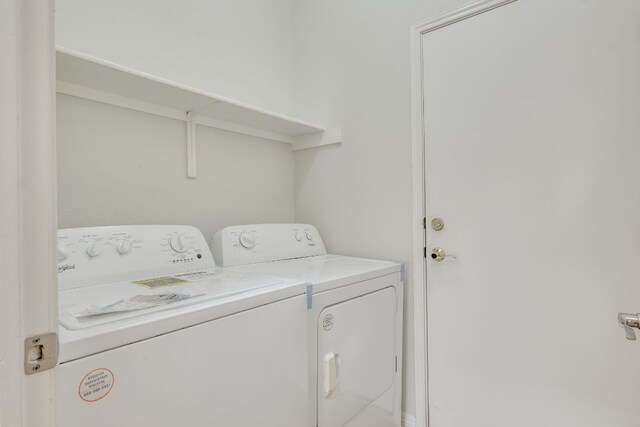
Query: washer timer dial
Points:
[178, 243]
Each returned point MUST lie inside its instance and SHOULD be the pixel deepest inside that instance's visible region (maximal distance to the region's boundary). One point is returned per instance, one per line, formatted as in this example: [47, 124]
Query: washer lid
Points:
[87, 307]
[207, 294]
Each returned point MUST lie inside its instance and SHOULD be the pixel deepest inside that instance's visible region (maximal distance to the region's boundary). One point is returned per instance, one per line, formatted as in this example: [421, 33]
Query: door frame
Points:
[419, 214]
[28, 274]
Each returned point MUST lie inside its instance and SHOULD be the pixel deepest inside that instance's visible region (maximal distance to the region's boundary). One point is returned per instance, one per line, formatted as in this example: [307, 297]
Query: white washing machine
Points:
[354, 308]
[152, 333]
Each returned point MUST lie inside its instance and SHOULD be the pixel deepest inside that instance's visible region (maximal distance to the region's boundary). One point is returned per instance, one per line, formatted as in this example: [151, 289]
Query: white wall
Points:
[117, 166]
[352, 61]
[120, 167]
[240, 49]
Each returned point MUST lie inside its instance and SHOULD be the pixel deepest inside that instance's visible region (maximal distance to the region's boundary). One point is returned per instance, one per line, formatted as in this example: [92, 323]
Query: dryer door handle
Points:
[330, 375]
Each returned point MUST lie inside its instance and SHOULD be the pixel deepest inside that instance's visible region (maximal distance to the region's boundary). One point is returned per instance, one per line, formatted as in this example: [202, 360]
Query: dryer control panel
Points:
[93, 255]
[250, 244]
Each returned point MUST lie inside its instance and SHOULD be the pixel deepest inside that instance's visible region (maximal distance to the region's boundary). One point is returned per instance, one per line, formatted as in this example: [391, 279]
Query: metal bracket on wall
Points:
[191, 139]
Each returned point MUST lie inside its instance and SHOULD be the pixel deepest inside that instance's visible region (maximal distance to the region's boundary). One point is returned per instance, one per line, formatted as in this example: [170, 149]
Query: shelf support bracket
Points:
[191, 144]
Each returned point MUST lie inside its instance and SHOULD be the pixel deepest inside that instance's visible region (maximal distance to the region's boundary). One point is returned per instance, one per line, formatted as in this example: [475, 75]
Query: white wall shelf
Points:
[91, 78]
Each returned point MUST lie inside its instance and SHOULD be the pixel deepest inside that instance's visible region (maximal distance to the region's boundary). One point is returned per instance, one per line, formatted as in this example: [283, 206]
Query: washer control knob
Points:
[177, 243]
[247, 240]
[123, 247]
[298, 237]
[309, 237]
[95, 248]
[62, 253]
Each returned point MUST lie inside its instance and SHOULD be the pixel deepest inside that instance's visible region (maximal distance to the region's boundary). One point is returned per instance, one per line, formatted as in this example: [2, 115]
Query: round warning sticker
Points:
[96, 385]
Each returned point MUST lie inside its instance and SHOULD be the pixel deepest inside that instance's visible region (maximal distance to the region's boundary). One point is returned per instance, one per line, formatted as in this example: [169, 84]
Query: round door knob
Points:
[62, 253]
[177, 243]
[123, 247]
[247, 240]
[95, 248]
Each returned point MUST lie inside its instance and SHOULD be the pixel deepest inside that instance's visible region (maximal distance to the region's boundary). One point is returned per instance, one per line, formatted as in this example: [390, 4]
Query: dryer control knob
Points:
[95, 248]
[309, 237]
[247, 240]
[177, 243]
[123, 247]
[298, 237]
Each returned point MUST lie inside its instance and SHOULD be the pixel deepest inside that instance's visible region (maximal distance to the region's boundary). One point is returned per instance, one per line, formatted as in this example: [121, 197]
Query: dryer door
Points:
[356, 355]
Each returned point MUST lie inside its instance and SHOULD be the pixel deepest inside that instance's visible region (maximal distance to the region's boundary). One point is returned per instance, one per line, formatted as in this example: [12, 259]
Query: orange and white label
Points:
[96, 385]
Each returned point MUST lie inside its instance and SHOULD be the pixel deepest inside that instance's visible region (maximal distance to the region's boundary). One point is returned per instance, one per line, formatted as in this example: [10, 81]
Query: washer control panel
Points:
[250, 244]
[93, 255]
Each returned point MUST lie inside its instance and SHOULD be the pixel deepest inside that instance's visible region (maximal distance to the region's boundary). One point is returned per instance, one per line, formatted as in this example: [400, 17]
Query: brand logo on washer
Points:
[65, 267]
[327, 322]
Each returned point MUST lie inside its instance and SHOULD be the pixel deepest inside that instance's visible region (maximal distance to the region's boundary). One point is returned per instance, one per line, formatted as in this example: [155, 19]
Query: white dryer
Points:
[152, 333]
[354, 308]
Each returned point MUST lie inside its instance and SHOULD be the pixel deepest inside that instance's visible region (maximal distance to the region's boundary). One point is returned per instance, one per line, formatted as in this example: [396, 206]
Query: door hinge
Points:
[425, 251]
[40, 353]
[424, 222]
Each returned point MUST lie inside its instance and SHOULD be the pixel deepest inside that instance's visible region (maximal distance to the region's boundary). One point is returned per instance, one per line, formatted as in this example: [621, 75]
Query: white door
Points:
[532, 146]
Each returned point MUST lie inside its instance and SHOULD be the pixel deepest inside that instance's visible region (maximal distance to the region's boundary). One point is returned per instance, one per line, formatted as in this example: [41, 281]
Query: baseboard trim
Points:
[408, 420]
